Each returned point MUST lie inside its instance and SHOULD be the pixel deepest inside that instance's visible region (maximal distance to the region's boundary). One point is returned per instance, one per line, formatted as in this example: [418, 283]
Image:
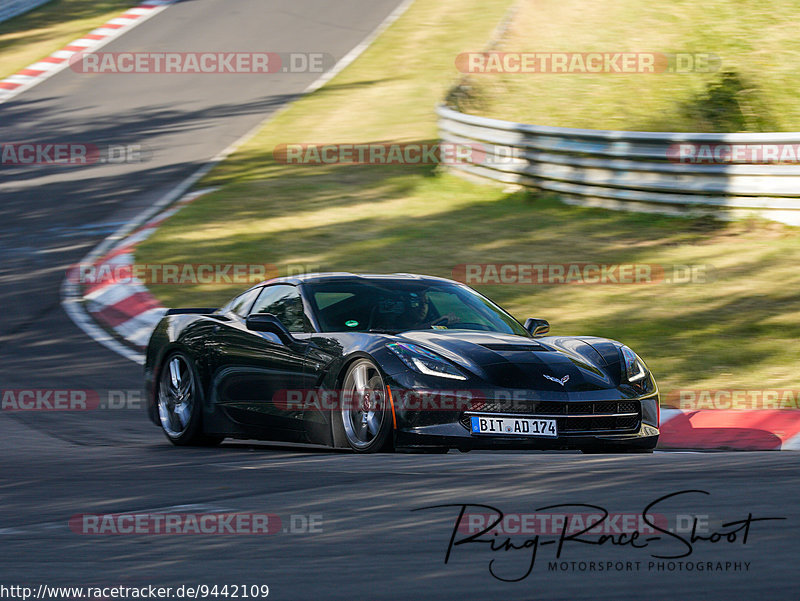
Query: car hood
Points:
[519, 362]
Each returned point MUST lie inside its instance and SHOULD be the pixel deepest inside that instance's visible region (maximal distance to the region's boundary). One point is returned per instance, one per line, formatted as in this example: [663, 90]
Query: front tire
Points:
[365, 414]
[179, 403]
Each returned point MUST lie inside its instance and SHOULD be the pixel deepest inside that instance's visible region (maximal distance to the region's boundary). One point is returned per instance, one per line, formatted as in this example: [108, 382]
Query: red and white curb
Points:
[58, 61]
[127, 307]
[754, 430]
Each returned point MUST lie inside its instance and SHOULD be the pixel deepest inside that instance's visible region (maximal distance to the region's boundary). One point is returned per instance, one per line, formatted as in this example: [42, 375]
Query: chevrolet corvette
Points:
[391, 362]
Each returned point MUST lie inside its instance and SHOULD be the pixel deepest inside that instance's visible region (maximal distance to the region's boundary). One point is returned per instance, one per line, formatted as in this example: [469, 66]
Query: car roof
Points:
[343, 276]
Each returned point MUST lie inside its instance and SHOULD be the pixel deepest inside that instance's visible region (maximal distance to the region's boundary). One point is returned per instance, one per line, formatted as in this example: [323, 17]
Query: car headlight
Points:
[425, 362]
[633, 368]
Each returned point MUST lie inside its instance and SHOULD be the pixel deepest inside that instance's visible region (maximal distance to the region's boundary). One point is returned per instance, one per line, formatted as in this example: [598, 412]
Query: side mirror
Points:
[267, 322]
[537, 327]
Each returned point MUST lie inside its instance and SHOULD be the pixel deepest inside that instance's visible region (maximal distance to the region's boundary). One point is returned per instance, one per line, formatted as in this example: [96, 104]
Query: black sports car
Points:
[380, 362]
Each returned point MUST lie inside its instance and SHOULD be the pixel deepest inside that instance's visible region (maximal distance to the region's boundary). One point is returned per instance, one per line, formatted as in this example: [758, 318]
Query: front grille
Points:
[571, 416]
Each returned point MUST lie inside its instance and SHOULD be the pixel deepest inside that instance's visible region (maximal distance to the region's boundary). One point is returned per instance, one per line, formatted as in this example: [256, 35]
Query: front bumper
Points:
[592, 420]
[455, 436]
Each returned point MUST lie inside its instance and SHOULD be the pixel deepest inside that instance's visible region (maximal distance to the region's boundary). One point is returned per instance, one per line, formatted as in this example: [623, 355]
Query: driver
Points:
[420, 314]
[418, 308]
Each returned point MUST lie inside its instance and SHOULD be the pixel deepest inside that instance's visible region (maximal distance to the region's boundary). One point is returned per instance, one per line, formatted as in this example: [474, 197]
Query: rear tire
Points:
[180, 403]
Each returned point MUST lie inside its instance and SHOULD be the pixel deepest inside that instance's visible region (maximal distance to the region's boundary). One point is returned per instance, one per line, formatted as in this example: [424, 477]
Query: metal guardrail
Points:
[13, 8]
[628, 170]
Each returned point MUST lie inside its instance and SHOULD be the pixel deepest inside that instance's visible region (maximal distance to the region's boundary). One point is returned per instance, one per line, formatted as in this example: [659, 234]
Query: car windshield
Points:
[394, 306]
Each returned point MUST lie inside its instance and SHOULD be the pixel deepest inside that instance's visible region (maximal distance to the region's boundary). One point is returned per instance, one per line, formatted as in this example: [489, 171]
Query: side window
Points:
[284, 302]
[242, 303]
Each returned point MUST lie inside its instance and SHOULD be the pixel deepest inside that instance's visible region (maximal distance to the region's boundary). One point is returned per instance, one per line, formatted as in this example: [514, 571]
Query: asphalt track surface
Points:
[372, 544]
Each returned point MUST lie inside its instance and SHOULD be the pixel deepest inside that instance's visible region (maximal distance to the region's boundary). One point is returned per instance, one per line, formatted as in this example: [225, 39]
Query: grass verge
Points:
[34, 35]
[739, 330]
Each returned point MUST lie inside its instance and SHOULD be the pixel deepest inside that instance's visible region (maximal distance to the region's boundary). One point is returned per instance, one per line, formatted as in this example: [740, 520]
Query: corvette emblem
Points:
[562, 381]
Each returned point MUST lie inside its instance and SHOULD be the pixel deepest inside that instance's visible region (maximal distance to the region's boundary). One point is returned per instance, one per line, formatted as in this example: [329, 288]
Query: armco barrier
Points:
[629, 170]
[12, 8]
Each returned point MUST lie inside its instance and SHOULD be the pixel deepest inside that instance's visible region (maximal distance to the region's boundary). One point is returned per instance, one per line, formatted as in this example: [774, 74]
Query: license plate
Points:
[513, 426]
